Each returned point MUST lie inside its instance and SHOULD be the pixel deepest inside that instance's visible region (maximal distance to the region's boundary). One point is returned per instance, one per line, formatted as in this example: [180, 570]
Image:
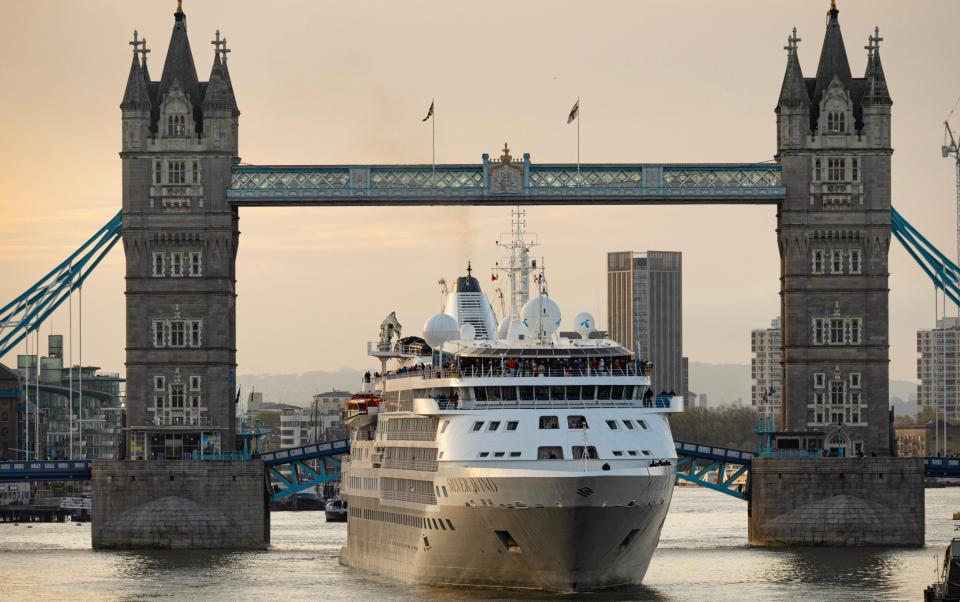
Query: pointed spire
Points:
[833, 56]
[876, 92]
[793, 92]
[219, 93]
[143, 63]
[179, 62]
[135, 96]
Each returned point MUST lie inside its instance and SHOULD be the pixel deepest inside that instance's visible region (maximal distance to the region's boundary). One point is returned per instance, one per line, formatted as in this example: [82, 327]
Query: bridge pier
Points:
[836, 502]
[180, 504]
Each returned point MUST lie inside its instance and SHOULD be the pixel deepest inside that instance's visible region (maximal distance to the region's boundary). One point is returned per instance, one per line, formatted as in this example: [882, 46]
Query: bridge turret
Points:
[833, 234]
[136, 106]
[180, 239]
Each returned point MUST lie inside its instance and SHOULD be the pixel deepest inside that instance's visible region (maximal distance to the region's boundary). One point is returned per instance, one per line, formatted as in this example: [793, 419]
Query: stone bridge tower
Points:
[833, 140]
[180, 239]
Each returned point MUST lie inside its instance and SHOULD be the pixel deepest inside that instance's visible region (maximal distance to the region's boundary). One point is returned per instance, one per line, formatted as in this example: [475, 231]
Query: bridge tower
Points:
[833, 140]
[180, 239]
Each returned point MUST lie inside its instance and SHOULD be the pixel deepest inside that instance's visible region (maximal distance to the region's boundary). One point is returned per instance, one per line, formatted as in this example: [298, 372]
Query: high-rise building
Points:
[938, 367]
[702, 400]
[11, 424]
[833, 145]
[645, 311]
[766, 370]
[180, 237]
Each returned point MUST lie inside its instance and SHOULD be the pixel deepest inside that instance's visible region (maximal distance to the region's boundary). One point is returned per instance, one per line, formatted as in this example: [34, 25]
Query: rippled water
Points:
[702, 556]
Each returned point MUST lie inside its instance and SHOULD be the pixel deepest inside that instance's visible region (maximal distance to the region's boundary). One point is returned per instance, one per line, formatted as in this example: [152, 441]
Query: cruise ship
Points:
[501, 454]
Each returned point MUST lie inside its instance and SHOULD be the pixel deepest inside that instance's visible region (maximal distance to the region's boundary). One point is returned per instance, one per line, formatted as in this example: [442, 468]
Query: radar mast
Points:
[517, 267]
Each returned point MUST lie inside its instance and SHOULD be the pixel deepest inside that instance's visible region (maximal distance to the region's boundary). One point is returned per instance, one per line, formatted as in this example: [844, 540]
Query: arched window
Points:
[836, 122]
[176, 124]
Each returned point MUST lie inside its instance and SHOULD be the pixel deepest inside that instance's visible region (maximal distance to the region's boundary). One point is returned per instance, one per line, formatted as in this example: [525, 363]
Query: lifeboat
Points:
[361, 410]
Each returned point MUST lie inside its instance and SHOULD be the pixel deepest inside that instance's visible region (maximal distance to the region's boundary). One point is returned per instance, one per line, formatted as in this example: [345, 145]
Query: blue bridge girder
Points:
[505, 183]
[300, 476]
[716, 468]
[41, 470]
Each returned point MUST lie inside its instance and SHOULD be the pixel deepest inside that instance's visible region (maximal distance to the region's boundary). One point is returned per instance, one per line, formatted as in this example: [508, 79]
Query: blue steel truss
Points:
[299, 475]
[716, 468]
[27, 312]
[939, 268]
[505, 182]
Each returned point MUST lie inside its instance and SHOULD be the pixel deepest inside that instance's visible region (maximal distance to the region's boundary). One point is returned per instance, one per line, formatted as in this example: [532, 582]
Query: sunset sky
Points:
[349, 82]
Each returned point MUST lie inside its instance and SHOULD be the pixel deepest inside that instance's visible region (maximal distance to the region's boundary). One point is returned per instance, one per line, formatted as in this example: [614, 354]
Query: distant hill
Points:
[724, 384]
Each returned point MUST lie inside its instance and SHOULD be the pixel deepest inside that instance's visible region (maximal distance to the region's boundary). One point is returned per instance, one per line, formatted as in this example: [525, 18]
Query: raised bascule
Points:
[184, 186]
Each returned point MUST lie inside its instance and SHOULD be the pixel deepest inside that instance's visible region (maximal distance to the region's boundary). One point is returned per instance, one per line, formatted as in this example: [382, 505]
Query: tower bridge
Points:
[184, 188]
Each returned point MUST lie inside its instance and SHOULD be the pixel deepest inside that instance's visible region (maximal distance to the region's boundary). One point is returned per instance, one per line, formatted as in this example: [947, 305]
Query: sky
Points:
[349, 82]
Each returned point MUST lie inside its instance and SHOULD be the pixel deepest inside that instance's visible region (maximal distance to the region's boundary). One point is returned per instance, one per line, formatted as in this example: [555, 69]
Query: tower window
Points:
[176, 172]
[195, 329]
[836, 170]
[157, 172]
[836, 331]
[176, 396]
[855, 266]
[838, 392]
[817, 170]
[159, 383]
[836, 262]
[176, 264]
[158, 268]
[177, 334]
[176, 125]
[196, 268]
[836, 122]
[855, 169]
[818, 261]
[158, 338]
[194, 383]
[196, 173]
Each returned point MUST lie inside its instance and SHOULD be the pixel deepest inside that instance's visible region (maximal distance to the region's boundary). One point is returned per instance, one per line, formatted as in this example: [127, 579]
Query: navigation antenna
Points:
[517, 266]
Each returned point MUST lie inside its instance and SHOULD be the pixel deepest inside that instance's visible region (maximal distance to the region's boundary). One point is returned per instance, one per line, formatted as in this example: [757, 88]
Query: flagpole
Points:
[433, 156]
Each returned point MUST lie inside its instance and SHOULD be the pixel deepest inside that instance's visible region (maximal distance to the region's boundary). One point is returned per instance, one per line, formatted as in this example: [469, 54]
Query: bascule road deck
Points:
[505, 182]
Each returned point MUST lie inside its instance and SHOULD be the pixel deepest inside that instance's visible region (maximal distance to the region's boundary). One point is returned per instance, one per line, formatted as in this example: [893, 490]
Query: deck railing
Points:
[498, 372]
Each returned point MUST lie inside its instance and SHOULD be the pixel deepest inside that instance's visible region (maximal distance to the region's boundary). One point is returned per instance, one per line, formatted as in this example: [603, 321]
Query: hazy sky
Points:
[348, 82]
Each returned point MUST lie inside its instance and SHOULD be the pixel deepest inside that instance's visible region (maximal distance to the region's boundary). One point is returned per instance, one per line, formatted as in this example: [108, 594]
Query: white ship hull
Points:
[587, 538]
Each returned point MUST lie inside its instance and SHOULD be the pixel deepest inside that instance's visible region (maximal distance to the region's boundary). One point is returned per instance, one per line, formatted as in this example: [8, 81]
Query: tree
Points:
[721, 427]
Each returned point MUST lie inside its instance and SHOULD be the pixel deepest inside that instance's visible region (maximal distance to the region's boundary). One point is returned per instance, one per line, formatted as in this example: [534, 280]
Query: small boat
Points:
[361, 410]
[947, 587]
[336, 511]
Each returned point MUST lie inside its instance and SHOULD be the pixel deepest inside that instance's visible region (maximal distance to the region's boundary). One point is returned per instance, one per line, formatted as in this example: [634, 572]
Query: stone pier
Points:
[180, 505]
[836, 502]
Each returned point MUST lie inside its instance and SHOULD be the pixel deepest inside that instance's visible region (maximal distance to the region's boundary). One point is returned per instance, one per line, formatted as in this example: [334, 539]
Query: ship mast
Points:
[517, 267]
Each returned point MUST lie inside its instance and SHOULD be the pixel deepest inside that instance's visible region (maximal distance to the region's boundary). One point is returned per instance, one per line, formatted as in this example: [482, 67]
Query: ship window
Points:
[443, 527]
[646, 452]
[573, 393]
[628, 424]
[612, 424]
[643, 425]
[508, 542]
[588, 392]
[549, 422]
[498, 454]
[603, 392]
[508, 393]
[616, 392]
[541, 393]
[443, 428]
[550, 453]
[577, 422]
[477, 426]
[483, 454]
[617, 453]
[556, 393]
[450, 524]
[578, 452]
[480, 393]
[494, 425]
[444, 488]
[512, 425]
[632, 452]
[526, 393]
[493, 393]
[514, 454]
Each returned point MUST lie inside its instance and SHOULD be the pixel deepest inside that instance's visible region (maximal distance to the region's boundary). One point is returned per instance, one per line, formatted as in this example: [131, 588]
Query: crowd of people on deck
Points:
[510, 366]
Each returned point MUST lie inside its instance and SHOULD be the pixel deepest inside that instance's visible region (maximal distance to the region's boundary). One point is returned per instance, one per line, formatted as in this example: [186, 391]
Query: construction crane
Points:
[949, 149]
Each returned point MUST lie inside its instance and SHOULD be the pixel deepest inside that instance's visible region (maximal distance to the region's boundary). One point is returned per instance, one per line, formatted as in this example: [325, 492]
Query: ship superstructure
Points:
[509, 457]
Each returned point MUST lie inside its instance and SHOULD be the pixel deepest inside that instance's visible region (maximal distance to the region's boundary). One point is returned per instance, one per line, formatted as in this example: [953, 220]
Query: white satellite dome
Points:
[468, 332]
[439, 329]
[503, 329]
[584, 324]
[541, 315]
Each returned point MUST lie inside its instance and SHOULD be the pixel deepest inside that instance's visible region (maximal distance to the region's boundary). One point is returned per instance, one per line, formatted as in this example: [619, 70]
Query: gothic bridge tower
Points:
[833, 141]
[180, 239]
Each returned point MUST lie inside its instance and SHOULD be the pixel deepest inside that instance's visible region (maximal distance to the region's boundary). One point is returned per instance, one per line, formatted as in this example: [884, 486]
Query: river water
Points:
[703, 555]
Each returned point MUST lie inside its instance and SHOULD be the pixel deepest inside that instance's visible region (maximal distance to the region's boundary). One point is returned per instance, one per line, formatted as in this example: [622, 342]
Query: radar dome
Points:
[541, 316]
[468, 332]
[440, 329]
[583, 323]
